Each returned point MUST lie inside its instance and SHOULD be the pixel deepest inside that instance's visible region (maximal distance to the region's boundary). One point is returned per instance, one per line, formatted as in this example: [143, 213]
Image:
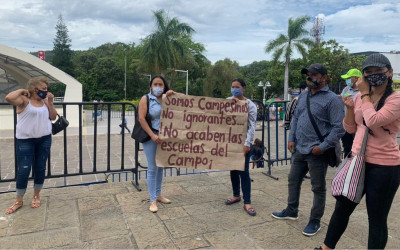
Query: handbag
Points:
[59, 125]
[349, 179]
[332, 155]
[138, 132]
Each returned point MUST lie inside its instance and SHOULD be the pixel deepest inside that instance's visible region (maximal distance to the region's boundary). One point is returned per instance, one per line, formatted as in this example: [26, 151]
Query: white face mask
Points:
[157, 91]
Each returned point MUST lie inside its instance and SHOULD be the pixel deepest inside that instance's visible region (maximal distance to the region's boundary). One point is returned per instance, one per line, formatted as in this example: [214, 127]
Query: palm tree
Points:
[164, 47]
[285, 44]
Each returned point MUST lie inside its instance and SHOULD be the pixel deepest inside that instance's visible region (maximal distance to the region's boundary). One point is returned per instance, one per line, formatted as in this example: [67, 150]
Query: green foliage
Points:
[57, 89]
[336, 59]
[164, 48]
[62, 48]
[219, 78]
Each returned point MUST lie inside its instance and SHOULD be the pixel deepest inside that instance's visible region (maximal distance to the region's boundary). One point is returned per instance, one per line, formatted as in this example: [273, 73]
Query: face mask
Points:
[42, 94]
[236, 92]
[376, 79]
[348, 82]
[312, 83]
[157, 91]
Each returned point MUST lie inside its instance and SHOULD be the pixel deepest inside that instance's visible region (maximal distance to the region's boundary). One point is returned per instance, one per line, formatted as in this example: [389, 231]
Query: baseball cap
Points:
[315, 68]
[352, 72]
[376, 60]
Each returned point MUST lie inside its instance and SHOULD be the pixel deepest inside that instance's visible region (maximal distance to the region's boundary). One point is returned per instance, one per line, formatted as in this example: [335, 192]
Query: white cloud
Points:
[235, 29]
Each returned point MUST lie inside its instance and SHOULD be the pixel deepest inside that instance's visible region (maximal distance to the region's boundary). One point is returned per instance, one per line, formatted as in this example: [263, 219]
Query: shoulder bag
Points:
[349, 179]
[138, 132]
[59, 125]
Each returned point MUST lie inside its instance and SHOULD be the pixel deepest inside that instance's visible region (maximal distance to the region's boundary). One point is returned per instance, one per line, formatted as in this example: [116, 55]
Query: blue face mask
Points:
[42, 94]
[348, 82]
[157, 91]
[236, 92]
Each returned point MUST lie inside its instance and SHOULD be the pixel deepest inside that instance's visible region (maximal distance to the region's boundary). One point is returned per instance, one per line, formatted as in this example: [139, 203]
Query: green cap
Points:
[352, 72]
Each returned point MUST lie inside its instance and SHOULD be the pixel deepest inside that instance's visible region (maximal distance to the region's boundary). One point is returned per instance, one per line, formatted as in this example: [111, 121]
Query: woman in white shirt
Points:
[35, 108]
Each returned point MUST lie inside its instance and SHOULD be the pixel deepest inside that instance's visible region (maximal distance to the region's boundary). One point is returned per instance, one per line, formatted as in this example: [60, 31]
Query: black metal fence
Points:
[274, 141]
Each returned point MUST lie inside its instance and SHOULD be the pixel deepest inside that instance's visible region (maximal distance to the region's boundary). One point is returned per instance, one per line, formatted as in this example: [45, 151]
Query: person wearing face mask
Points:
[306, 147]
[377, 107]
[242, 178]
[158, 87]
[351, 77]
[35, 111]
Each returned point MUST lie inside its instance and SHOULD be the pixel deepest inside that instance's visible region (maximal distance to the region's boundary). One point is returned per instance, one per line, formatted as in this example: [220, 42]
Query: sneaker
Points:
[284, 215]
[312, 228]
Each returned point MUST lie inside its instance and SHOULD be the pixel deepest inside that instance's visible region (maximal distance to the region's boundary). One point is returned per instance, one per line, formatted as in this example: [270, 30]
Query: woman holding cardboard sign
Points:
[238, 87]
[158, 87]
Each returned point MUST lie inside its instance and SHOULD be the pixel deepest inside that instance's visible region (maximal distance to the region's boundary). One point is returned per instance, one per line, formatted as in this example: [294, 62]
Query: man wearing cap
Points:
[328, 112]
[351, 77]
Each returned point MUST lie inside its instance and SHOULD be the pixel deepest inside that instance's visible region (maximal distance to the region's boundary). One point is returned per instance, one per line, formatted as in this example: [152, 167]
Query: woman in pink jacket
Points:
[377, 107]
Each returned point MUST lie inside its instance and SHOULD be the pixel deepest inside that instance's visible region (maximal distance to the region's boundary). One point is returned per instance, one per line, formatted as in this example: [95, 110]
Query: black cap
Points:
[315, 68]
[376, 60]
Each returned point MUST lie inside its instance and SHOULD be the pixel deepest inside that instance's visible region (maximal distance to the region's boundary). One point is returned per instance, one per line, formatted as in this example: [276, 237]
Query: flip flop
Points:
[232, 201]
[251, 211]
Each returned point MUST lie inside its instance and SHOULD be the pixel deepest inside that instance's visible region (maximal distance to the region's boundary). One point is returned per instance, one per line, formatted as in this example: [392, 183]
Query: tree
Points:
[62, 48]
[163, 49]
[219, 78]
[337, 61]
[285, 44]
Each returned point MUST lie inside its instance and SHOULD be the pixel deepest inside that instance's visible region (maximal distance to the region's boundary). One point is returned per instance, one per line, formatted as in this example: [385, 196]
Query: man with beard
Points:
[327, 111]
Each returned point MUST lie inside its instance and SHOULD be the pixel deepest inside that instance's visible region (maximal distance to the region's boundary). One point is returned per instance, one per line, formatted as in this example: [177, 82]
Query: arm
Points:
[336, 115]
[349, 121]
[251, 127]
[293, 127]
[18, 98]
[49, 101]
[386, 115]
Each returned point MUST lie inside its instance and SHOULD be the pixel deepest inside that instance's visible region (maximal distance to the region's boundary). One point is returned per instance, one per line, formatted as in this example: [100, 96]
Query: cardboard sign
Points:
[202, 132]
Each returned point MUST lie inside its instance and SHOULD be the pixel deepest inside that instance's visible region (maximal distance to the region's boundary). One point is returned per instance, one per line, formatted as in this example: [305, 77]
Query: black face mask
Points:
[42, 94]
[312, 83]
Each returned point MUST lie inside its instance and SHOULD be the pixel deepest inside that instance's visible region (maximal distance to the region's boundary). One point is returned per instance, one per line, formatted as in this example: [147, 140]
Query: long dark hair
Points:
[166, 88]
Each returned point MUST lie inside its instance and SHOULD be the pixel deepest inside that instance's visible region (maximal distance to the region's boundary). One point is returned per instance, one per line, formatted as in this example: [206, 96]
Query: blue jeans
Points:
[244, 176]
[317, 166]
[32, 153]
[154, 173]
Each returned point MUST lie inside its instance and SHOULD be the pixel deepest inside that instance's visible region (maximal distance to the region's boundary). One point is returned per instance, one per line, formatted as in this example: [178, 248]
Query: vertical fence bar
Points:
[80, 139]
[123, 138]
[64, 107]
[95, 138]
[108, 136]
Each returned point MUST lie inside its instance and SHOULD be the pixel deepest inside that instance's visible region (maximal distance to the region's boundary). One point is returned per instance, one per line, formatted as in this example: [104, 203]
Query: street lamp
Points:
[125, 75]
[149, 75]
[264, 86]
[187, 77]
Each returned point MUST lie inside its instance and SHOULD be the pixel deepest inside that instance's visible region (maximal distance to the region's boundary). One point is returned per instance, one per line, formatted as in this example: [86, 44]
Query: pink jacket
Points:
[382, 148]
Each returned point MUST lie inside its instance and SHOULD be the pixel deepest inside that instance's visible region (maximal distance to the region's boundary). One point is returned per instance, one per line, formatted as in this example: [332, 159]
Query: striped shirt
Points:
[328, 112]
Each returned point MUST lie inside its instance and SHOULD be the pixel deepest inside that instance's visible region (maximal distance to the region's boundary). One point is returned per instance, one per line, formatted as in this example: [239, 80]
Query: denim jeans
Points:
[381, 184]
[244, 176]
[154, 173]
[317, 166]
[32, 153]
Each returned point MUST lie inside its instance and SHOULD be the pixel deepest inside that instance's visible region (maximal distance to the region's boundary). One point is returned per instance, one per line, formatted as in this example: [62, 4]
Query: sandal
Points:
[35, 202]
[232, 201]
[251, 211]
[17, 205]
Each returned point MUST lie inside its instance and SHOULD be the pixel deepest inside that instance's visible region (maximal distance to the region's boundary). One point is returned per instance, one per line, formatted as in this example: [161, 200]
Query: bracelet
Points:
[364, 95]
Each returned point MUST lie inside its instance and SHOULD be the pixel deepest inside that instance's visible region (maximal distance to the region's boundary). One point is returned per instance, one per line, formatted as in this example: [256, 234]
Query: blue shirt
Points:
[154, 111]
[328, 112]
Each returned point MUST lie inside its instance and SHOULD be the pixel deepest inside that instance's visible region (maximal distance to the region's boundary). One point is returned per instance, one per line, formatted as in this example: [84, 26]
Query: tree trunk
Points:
[286, 83]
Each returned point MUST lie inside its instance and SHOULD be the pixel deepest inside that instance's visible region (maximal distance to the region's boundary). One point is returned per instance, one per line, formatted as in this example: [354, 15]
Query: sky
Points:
[233, 29]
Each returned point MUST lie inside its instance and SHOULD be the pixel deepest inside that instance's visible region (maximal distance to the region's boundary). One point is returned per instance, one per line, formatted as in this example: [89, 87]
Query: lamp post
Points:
[264, 86]
[125, 76]
[187, 77]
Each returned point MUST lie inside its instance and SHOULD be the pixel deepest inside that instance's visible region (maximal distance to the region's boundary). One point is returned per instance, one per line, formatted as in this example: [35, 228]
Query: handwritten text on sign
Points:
[202, 132]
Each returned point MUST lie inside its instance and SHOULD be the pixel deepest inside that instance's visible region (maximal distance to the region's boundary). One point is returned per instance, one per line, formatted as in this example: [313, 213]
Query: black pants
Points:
[381, 184]
[347, 141]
